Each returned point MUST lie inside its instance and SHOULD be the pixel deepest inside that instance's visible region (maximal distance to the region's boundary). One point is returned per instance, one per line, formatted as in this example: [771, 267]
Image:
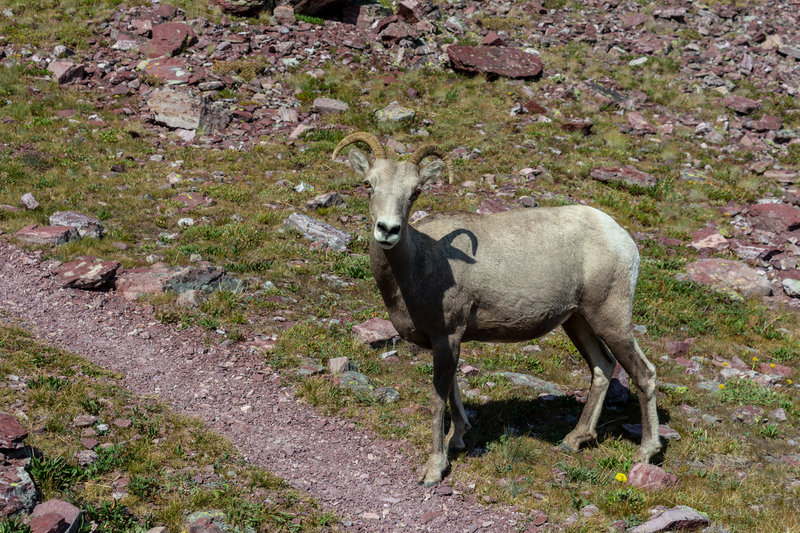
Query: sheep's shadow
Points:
[548, 419]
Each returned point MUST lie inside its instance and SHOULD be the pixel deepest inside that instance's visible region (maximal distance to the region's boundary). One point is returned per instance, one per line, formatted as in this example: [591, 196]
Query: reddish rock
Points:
[140, 281]
[627, 174]
[774, 217]
[748, 414]
[492, 39]
[87, 273]
[17, 491]
[66, 71]
[650, 477]
[204, 525]
[397, 31]
[29, 202]
[36, 234]
[580, 124]
[765, 123]
[639, 125]
[410, 11]
[169, 70]
[165, 11]
[677, 14]
[775, 369]
[740, 104]
[490, 206]
[324, 105]
[123, 423]
[635, 19]
[376, 332]
[240, 7]
[86, 225]
[284, 15]
[170, 38]
[11, 432]
[709, 238]
[497, 60]
[675, 348]
[67, 511]
[177, 109]
[532, 106]
[48, 523]
[191, 200]
[731, 277]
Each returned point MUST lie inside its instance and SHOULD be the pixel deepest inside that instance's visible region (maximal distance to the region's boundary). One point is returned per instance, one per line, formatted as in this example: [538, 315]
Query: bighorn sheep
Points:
[508, 277]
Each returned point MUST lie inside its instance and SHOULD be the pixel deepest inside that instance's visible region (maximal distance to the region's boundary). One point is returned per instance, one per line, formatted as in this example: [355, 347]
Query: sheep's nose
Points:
[388, 230]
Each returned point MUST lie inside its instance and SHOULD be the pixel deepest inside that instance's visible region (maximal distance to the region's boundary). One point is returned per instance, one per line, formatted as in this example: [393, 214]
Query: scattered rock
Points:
[338, 365]
[497, 60]
[87, 273]
[11, 432]
[86, 457]
[583, 125]
[539, 385]
[740, 104]
[319, 231]
[328, 105]
[48, 523]
[681, 518]
[396, 113]
[651, 477]
[284, 15]
[709, 238]
[68, 512]
[241, 7]
[182, 110]
[55, 235]
[66, 71]
[639, 125]
[774, 217]
[386, 394]
[170, 39]
[329, 199]
[86, 225]
[29, 202]
[376, 332]
[748, 414]
[730, 277]
[17, 491]
[355, 381]
[628, 175]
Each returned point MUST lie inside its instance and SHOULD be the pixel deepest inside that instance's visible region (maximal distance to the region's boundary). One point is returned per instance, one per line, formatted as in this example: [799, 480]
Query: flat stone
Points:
[765, 123]
[11, 432]
[498, 60]
[86, 457]
[399, 31]
[240, 7]
[376, 332]
[284, 15]
[394, 112]
[17, 491]
[64, 72]
[748, 414]
[191, 201]
[709, 238]
[48, 523]
[490, 206]
[681, 518]
[36, 234]
[791, 287]
[86, 225]
[639, 125]
[628, 175]
[774, 217]
[173, 71]
[731, 277]
[677, 14]
[386, 394]
[651, 477]
[87, 273]
[790, 51]
[177, 109]
[583, 125]
[740, 104]
[338, 365]
[329, 199]
[170, 38]
[355, 381]
[319, 231]
[539, 385]
[141, 281]
[324, 105]
[29, 202]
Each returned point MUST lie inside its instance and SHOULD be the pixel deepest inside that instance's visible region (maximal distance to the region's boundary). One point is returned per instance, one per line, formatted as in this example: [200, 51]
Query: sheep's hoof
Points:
[564, 447]
[433, 470]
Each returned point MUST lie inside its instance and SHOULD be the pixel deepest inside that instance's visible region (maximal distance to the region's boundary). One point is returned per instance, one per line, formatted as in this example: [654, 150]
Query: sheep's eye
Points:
[367, 185]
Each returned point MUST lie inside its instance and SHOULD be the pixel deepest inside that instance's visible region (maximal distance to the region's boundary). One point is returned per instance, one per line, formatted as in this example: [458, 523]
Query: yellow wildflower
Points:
[755, 358]
[772, 365]
[721, 386]
[789, 381]
[622, 478]
[725, 364]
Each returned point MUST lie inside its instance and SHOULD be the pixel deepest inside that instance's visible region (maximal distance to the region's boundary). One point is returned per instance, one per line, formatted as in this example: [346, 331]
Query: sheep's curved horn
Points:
[430, 149]
[370, 139]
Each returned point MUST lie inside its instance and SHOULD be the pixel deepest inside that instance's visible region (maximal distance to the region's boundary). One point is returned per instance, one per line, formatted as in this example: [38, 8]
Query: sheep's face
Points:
[393, 187]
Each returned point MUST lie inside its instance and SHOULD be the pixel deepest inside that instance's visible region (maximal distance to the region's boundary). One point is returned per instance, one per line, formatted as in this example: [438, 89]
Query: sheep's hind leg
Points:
[601, 364]
[445, 355]
[459, 424]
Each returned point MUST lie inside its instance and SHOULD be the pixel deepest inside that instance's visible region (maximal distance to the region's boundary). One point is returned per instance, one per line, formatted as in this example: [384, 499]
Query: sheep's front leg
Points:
[459, 424]
[445, 355]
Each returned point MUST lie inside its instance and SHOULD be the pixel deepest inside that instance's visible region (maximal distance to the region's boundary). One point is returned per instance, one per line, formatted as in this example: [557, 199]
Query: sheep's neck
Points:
[394, 269]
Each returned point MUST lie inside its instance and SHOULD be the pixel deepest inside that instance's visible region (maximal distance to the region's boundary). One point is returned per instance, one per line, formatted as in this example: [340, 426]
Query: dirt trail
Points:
[364, 479]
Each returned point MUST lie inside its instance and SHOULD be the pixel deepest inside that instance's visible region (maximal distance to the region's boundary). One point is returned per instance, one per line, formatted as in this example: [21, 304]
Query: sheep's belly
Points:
[496, 326]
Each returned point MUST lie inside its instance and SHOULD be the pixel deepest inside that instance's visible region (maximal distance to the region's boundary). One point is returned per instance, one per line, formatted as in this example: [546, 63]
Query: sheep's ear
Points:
[358, 161]
[431, 172]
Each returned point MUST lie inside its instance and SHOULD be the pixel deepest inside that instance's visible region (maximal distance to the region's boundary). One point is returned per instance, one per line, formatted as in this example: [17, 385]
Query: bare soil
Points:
[368, 481]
